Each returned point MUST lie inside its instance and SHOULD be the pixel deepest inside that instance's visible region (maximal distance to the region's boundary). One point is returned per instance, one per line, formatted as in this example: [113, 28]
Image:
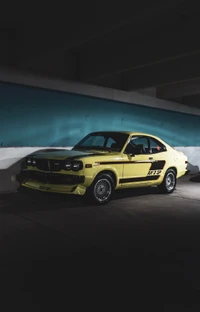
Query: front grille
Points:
[49, 165]
[53, 178]
[42, 164]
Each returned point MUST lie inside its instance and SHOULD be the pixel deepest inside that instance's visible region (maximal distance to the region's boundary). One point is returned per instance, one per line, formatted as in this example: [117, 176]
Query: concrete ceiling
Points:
[146, 44]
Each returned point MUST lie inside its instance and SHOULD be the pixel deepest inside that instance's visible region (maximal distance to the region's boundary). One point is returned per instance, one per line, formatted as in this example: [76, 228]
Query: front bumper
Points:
[53, 183]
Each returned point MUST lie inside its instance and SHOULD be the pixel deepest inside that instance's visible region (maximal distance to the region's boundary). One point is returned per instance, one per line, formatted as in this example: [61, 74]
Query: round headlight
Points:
[29, 161]
[77, 165]
[67, 165]
[34, 162]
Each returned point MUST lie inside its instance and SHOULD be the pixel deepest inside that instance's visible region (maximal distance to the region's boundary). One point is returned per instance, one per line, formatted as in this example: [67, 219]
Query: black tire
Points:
[168, 184]
[102, 189]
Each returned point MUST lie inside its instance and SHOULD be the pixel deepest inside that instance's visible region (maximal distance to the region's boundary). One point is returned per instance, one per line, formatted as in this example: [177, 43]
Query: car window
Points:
[140, 141]
[110, 142]
[94, 141]
[156, 146]
[138, 145]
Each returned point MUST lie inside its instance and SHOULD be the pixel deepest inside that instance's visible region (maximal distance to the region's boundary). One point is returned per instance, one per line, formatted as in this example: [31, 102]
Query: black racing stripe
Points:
[157, 165]
[141, 179]
[123, 162]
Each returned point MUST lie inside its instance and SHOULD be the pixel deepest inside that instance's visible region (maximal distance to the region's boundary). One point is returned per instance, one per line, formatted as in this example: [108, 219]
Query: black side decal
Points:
[142, 179]
[157, 165]
[154, 165]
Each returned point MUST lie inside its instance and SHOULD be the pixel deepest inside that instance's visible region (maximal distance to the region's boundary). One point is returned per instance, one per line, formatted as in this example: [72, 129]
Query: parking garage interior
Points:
[66, 72]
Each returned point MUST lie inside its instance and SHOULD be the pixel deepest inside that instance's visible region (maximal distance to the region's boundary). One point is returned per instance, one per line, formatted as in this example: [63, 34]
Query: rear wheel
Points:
[169, 182]
[101, 190]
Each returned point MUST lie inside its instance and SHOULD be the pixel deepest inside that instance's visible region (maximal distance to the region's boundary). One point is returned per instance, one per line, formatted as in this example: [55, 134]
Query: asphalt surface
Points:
[140, 250]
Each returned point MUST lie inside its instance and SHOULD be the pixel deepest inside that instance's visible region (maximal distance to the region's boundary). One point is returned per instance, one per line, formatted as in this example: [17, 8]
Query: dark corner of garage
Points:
[100, 156]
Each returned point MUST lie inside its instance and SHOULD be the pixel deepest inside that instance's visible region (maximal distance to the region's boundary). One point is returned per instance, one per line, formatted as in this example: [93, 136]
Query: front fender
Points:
[91, 174]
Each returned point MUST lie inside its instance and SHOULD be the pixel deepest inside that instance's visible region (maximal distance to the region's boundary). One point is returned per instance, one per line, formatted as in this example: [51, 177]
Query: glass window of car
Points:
[138, 145]
[97, 140]
[112, 141]
[156, 146]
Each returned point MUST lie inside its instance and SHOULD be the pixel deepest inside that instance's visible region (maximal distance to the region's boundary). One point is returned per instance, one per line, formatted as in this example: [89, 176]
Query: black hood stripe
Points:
[83, 156]
[67, 157]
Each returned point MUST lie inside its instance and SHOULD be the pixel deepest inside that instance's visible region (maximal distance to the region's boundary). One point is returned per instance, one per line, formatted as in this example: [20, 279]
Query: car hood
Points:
[63, 154]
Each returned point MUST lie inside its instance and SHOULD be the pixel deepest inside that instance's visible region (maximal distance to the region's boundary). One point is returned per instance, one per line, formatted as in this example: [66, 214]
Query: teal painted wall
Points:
[37, 117]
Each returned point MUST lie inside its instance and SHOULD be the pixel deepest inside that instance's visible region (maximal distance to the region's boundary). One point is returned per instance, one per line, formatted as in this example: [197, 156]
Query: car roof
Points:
[125, 132]
[131, 133]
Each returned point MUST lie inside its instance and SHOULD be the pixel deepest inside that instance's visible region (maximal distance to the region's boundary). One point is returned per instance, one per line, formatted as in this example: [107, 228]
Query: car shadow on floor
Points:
[135, 192]
[26, 200]
[195, 178]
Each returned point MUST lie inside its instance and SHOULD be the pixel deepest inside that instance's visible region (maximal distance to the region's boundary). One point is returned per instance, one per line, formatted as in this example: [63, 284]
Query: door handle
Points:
[150, 158]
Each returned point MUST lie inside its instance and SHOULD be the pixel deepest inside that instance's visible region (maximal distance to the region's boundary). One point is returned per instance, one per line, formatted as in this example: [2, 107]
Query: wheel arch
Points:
[110, 172]
[173, 168]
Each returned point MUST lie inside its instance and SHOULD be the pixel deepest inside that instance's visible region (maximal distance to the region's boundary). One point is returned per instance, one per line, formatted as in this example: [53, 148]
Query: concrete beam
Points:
[179, 89]
[38, 81]
[94, 22]
[119, 56]
[75, 27]
[163, 72]
[110, 19]
[113, 82]
[56, 64]
[148, 91]
[160, 75]
[193, 100]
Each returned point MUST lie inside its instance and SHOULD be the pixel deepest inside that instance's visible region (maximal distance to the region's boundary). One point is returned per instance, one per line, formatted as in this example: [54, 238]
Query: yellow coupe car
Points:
[104, 161]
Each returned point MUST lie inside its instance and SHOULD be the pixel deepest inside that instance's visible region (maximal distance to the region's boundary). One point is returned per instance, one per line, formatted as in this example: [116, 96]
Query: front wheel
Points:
[101, 190]
[169, 182]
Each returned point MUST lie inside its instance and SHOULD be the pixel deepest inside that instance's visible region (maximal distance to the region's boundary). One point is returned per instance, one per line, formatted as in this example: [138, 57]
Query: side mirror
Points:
[131, 155]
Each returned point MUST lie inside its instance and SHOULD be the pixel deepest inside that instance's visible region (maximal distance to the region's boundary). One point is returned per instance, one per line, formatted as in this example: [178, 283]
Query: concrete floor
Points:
[142, 248]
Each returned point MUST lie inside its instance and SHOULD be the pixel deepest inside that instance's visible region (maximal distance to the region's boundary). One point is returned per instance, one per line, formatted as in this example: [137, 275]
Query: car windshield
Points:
[111, 141]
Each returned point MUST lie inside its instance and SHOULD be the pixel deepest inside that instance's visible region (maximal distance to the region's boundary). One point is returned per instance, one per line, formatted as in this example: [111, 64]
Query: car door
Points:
[137, 162]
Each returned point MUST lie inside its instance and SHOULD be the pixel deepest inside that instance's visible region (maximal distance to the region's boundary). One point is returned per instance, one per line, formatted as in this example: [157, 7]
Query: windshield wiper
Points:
[98, 147]
[78, 147]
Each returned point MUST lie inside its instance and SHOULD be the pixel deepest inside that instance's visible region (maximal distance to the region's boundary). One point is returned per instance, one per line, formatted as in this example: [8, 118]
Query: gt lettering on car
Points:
[47, 188]
[154, 172]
